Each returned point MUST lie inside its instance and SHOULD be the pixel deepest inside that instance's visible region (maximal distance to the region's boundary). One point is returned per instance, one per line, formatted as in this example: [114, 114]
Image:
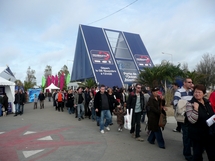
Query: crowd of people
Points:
[100, 104]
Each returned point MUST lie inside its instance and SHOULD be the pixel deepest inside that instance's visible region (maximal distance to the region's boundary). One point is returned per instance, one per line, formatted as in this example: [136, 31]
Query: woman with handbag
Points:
[155, 104]
[198, 110]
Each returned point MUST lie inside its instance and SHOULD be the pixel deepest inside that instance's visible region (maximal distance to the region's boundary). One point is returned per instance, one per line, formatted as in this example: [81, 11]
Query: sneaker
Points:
[174, 130]
[119, 129]
[82, 117]
[140, 139]
[107, 128]
[102, 131]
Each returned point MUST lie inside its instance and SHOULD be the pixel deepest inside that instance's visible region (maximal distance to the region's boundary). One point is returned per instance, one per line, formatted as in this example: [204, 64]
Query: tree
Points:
[207, 68]
[88, 83]
[30, 80]
[158, 75]
[18, 82]
[47, 71]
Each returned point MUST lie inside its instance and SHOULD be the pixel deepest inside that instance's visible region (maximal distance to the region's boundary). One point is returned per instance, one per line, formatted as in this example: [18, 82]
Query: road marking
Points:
[29, 132]
[32, 152]
[46, 138]
[2, 132]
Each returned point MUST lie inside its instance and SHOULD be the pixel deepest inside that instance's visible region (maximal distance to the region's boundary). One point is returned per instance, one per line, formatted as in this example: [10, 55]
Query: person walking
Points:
[35, 101]
[155, 104]
[16, 102]
[41, 98]
[70, 101]
[136, 102]
[79, 102]
[59, 98]
[102, 108]
[198, 111]
[21, 101]
[186, 93]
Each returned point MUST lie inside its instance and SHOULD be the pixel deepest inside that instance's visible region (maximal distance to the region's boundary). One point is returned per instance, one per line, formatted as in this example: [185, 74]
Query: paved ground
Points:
[48, 135]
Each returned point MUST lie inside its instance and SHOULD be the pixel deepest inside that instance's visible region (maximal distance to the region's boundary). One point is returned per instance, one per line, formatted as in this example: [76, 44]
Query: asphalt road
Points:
[49, 135]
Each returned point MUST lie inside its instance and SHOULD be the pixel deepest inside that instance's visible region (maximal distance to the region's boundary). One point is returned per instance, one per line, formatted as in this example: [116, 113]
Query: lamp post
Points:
[168, 54]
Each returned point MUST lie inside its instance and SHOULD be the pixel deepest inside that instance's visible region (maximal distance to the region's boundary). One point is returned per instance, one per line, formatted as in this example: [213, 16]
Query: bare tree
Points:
[207, 67]
[47, 71]
[30, 79]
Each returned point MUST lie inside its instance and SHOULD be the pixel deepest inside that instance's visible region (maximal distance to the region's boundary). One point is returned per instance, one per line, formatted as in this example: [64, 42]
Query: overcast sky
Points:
[37, 33]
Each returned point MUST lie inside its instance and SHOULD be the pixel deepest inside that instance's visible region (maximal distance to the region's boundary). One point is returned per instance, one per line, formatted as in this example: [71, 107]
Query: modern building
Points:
[110, 57]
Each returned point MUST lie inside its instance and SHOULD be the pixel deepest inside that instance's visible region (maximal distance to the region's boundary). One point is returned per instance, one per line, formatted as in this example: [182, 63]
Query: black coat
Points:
[131, 102]
[70, 100]
[98, 102]
[22, 98]
[154, 113]
[5, 102]
[41, 97]
[17, 98]
[200, 130]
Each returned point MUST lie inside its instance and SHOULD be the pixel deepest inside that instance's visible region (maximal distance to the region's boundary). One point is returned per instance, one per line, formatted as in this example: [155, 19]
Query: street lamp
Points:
[168, 54]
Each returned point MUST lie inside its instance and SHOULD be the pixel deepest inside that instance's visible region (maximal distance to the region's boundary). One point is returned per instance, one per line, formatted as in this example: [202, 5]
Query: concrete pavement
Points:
[49, 135]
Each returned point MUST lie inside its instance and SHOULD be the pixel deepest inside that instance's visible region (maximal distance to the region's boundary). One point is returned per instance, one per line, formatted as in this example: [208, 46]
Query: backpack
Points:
[180, 110]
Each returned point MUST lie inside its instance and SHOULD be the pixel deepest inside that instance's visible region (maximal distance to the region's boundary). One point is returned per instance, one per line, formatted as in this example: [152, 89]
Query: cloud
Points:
[37, 33]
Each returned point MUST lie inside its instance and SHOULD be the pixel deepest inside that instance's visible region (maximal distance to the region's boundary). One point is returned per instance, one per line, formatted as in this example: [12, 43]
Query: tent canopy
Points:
[4, 82]
[51, 86]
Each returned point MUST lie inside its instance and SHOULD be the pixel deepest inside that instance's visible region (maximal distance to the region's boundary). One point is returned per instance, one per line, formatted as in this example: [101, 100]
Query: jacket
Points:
[98, 102]
[154, 113]
[41, 97]
[76, 98]
[70, 100]
[199, 130]
[131, 102]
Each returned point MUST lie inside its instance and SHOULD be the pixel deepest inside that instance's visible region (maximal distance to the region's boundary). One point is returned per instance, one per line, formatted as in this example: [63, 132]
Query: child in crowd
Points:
[120, 112]
[91, 106]
[35, 101]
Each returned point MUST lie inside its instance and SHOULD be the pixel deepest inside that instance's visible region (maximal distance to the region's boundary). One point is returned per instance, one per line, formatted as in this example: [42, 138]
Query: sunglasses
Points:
[189, 82]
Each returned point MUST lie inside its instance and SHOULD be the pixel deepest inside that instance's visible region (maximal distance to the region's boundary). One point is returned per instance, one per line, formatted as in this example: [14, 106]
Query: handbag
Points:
[162, 119]
[127, 119]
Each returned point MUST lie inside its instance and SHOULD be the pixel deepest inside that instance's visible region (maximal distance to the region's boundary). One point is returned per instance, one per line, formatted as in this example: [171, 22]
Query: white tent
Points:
[9, 88]
[51, 86]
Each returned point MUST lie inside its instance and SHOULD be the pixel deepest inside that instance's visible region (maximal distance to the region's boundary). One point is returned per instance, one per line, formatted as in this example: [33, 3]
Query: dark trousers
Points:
[158, 136]
[59, 106]
[135, 124]
[178, 128]
[86, 109]
[186, 142]
[200, 145]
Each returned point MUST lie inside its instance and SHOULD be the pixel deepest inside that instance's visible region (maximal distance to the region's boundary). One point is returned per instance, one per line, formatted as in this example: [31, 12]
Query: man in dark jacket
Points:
[5, 102]
[87, 100]
[17, 102]
[21, 101]
[136, 102]
[41, 98]
[102, 108]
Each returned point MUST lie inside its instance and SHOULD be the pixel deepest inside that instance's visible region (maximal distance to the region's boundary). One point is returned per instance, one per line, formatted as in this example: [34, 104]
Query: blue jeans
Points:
[105, 114]
[80, 109]
[186, 142]
[93, 113]
[158, 136]
[98, 119]
[143, 117]
[17, 108]
[71, 110]
[21, 109]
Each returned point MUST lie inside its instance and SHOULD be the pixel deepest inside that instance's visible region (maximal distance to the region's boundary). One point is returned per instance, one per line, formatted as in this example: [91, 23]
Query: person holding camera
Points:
[198, 110]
